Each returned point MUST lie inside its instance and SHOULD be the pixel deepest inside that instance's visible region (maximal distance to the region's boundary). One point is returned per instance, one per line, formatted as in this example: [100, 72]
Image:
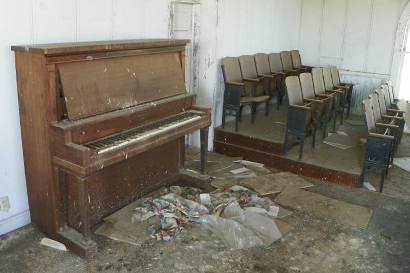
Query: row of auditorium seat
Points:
[251, 80]
[315, 98]
[385, 126]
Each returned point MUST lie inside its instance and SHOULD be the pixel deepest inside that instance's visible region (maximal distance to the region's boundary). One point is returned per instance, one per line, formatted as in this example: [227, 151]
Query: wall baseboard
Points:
[14, 222]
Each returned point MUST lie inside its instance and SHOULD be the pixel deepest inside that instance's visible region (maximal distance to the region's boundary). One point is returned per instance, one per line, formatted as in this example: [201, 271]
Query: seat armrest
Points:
[389, 126]
[387, 117]
[325, 96]
[235, 83]
[381, 136]
[313, 100]
[396, 111]
[342, 86]
[267, 76]
[301, 107]
[253, 80]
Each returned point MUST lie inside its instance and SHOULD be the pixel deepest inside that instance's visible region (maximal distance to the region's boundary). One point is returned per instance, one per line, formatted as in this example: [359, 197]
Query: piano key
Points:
[138, 134]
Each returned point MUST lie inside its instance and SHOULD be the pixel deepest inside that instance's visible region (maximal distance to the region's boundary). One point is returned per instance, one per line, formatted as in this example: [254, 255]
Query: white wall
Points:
[46, 21]
[357, 36]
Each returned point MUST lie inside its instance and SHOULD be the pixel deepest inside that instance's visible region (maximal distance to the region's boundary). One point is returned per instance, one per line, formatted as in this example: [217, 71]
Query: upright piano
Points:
[102, 124]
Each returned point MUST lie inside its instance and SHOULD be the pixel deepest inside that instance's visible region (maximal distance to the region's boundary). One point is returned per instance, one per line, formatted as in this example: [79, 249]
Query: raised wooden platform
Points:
[264, 142]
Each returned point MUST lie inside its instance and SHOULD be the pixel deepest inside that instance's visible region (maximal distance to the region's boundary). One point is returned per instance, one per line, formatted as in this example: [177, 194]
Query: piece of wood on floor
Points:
[325, 207]
[403, 163]
[275, 183]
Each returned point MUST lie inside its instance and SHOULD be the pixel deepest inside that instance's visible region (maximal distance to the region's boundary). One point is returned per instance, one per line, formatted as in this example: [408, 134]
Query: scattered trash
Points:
[342, 133]
[237, 188]
[53, 244]
[205, 199]
[232, 233]
[176, 189]
[369, 186]
[340, 141]
[236, 213]
[250, 163]
[241, 229]
[240, 170]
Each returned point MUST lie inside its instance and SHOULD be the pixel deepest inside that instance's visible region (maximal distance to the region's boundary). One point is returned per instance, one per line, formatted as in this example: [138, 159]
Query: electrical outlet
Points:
[4, 204]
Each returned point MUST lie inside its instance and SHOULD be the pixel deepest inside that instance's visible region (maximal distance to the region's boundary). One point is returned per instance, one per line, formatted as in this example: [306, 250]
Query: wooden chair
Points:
[348, 87]
[273, 80]
[297, 62]
[239, 91]
[321, 105]
[342, 104]
[275, 64]
[287, 63]
[379, 145]
[299, 121]
[320, 90]
[255, 82]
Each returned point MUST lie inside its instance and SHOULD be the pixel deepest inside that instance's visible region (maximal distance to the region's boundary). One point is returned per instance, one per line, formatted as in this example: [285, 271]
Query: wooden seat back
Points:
[232, 72]
[306, 82]
[335, 75]
[389, 103]
[275, 63]
[382, 101]
[296, 59]
[374, 100]
[248, 67]
[369, 115]
[318, 81]
[232, 69]
[262, 64]
[286, 58]
[294, 90]
[327, 77]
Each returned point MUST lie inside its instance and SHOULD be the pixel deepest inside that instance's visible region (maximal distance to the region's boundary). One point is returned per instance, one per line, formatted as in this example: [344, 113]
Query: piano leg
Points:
[204, 149]
[83, 205]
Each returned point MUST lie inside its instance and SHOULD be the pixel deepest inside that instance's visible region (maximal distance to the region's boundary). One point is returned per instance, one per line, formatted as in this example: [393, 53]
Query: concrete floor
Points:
[313, 244]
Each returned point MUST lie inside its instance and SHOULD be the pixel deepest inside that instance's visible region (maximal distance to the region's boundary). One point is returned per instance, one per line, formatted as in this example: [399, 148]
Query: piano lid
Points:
[98, 46]
[105, 85]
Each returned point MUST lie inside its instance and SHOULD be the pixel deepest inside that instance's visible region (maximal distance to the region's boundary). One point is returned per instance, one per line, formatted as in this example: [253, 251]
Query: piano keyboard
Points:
[141, 133]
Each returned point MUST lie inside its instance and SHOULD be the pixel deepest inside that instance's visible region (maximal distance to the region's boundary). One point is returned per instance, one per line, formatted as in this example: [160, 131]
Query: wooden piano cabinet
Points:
[71, 95]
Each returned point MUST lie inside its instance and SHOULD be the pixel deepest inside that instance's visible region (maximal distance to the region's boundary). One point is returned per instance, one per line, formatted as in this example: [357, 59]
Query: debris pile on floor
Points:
[238, 216]
[173, 212]
[244, 210]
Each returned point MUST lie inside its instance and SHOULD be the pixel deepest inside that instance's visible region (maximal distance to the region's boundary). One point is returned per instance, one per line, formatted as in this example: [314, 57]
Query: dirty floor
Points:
[314, 244]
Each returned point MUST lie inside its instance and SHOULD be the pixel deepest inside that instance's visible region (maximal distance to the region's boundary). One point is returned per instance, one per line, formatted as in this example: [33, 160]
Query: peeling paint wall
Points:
[48, 21]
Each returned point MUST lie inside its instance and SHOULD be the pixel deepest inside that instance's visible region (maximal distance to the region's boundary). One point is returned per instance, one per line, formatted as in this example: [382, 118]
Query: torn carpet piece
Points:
[325, 207]
[275, 183]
